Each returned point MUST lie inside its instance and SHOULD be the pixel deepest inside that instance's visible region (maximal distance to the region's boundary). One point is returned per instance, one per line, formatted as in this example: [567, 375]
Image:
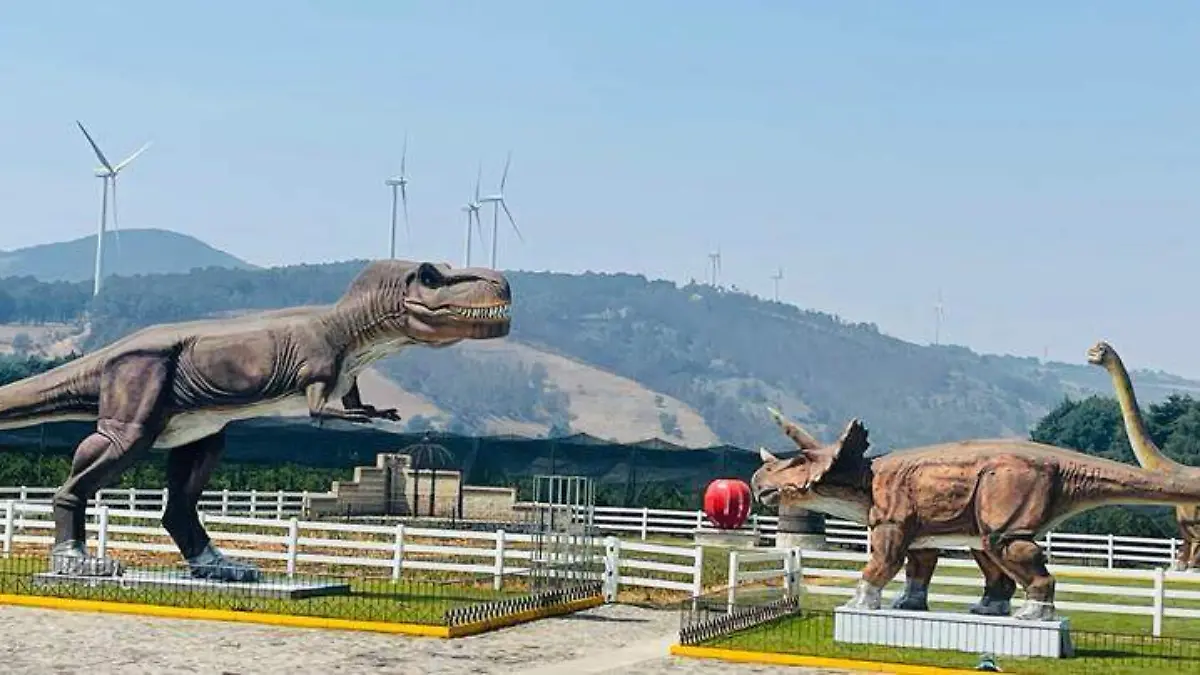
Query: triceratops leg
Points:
[888, 547]
[133, 389]
[189, 468]
[998, 587]
[918, 572]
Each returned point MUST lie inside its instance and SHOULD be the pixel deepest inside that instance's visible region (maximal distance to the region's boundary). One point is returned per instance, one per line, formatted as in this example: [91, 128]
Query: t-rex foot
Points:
[1035, 610]
[212, 564]
[866, 596]
[71, 557]
[914, 597]
[991, 607]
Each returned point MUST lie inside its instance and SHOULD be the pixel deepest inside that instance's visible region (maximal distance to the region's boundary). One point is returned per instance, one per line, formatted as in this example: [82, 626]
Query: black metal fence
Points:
[776, 625]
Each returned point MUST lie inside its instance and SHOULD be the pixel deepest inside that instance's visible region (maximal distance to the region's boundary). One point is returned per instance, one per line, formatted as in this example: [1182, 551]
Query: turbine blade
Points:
[504, 176]
[511, 220]
[404, 199]
[404, 155]
[95, 148]
[478, 178]
[130, 158]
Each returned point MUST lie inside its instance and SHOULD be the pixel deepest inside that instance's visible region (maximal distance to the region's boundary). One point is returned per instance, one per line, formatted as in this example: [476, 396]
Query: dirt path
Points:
[614, 639]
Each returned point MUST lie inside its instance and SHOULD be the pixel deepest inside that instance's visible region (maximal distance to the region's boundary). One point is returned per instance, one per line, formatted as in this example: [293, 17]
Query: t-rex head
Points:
[434, 304]
[791, 480]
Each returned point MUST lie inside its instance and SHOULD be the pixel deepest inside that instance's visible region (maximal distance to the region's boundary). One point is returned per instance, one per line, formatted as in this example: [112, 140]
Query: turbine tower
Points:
[939, 314]
[775, 278]
[399, 184]
[108, 175]
[714, 261]
[472, 208]
[497, 201]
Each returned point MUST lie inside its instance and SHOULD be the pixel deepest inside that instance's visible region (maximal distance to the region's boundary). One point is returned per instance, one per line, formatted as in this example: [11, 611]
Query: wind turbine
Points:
[939, 313]
[714, 260]
[497, 201]
[472, 208]
[775, 278]
[399, 183]
[108, 174]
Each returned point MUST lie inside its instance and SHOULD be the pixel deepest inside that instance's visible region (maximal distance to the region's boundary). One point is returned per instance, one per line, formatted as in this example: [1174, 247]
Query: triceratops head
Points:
[791, 480]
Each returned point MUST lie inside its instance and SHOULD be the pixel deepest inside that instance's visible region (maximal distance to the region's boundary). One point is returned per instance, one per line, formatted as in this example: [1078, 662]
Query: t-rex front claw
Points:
[212, 564]
[71, 558]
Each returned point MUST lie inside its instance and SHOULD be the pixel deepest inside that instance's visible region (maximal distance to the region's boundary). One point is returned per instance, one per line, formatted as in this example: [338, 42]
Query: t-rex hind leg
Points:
[998, 587]
[132, 392]
[918, 572]
[188, 470]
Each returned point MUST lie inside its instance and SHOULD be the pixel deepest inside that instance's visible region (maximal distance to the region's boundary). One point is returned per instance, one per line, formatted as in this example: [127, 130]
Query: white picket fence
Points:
[381, 547]
[643, 523]
[1153, 599]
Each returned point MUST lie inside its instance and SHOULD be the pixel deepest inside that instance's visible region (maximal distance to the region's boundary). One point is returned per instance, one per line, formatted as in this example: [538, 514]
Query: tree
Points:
[22, 343]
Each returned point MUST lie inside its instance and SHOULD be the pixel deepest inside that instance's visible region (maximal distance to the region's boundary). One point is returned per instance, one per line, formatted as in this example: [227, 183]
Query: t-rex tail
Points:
[59, 394]
[1146, 451]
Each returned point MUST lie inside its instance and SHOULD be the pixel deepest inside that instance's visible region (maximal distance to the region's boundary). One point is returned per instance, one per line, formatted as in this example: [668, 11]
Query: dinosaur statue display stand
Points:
[953, 631]
[271, 586]
[739, 539]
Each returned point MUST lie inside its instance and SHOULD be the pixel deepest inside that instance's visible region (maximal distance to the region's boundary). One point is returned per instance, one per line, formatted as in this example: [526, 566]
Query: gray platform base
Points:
[999, 635]
[273, 587]
[726, 538]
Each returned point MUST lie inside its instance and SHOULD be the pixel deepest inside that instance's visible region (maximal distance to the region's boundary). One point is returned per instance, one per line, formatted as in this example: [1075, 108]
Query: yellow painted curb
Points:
[289, 620]
[523, 617]
[774, 659]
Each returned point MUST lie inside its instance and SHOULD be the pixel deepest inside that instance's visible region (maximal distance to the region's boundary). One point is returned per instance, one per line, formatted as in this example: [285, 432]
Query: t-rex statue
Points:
[177, 386]
[995, 496]
[1147, 453]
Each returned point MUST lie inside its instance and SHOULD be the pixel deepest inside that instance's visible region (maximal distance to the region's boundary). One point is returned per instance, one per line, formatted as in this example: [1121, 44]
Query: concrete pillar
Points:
[800, 527]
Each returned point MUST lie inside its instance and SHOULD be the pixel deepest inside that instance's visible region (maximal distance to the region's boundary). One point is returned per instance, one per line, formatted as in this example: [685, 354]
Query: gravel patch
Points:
[614, 639]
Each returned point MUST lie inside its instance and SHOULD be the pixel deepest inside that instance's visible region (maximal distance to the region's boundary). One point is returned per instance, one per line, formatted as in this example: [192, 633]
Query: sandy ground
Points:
[612, 639]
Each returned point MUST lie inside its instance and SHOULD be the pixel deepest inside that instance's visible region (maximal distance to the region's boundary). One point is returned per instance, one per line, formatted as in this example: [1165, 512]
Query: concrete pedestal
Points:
[726, 538]
[999, 635]
[272, 587]
[800, 528]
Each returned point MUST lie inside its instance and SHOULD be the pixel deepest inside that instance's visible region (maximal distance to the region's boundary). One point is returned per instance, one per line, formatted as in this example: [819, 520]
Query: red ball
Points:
[727, 503]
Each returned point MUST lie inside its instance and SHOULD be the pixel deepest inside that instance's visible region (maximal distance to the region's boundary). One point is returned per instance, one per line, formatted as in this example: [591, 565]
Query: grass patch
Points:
[408, 600]
[811, 634]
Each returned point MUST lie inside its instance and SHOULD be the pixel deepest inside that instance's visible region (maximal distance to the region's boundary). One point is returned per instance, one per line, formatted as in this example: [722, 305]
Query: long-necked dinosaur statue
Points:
[994, 496]
[177, 386]
[1147, 453]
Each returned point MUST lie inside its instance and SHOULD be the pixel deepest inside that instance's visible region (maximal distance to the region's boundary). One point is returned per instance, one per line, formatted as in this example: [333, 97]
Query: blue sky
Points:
[1038, 162]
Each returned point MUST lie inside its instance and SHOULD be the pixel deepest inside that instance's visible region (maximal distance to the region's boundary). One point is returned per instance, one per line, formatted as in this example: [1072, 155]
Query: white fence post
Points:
[698, 573]
[279, 505]
[102, 531]
[612, 568]
[253, 503]
[132, 499]
[791, 572]
[731, 594]
[24, 496]
[1174, 551]
[1049, 546]
[398, 552]
[498, 575]
[645, 521]
[1160, 600]
[225, 502]
[1110, 552]
[293, 546]
[9, 524]
[165, 497]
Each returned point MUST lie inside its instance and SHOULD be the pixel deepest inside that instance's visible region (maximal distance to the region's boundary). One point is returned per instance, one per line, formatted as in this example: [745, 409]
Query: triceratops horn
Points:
[799, 436]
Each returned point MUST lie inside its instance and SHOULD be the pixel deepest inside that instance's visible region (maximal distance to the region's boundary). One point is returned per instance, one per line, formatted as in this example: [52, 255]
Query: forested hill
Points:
[725, 355]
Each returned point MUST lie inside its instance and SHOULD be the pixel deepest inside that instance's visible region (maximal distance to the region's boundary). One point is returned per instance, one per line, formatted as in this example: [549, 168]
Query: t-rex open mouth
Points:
[496, 312]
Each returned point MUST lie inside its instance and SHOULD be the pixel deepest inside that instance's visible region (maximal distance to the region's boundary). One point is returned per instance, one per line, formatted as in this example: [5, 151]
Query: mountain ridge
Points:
[626, 357]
